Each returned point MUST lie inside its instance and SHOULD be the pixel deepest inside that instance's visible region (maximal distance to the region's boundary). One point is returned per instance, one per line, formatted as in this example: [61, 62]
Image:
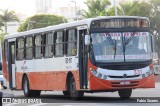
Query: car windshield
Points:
[121, 47]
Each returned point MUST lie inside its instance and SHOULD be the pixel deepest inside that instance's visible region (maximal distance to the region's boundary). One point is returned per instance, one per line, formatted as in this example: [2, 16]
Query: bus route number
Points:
[137, 72]
[68, 60]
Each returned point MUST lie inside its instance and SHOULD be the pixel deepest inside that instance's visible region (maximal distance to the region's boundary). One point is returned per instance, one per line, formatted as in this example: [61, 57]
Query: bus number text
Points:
[137, 72]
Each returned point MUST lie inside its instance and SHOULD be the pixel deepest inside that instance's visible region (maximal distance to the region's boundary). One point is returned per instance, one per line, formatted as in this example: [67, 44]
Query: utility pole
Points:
[75, 9]
[115, 7]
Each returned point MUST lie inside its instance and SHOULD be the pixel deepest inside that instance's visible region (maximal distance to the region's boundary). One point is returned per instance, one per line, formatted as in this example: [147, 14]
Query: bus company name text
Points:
[20, 100]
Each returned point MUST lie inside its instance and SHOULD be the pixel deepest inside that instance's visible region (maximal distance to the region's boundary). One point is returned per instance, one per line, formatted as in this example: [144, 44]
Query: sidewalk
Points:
[157, 85]
[157, 78]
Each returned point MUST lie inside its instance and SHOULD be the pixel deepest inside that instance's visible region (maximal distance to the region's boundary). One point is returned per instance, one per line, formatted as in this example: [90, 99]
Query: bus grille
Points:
[132, 84]
[132, 76]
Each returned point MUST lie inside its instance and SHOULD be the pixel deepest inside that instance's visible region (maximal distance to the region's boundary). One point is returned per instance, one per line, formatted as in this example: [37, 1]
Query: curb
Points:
[157, 85]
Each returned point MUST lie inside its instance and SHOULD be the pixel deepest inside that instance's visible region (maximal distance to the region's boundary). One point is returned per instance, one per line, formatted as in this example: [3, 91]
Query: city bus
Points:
[102, 54]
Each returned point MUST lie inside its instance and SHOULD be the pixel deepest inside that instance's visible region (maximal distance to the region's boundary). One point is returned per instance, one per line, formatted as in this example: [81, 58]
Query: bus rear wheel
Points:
[125, 93]
[74, 94]
[26, 89]
[66, 93]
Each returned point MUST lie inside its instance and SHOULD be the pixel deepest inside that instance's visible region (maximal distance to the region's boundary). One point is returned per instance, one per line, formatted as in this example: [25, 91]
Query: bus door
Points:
[83, 58]
[11, 64]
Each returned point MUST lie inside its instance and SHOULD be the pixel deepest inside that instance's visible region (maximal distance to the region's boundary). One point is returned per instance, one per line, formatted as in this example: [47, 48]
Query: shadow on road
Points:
[85, 99]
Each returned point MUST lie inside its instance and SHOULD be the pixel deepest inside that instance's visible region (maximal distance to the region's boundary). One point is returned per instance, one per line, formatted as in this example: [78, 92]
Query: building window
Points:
[20, 48]
[48, 47]
[38, 46]
[71, 42]
[29, 47]
[59, 43]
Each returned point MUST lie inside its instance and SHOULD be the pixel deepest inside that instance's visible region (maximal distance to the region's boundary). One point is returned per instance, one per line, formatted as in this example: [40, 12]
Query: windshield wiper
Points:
[128, 40]
[113, 44]
[126, 43]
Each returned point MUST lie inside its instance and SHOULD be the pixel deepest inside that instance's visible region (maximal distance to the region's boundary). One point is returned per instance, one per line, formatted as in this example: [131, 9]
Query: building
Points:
[43, 6]
[70, 12]
[12, 27]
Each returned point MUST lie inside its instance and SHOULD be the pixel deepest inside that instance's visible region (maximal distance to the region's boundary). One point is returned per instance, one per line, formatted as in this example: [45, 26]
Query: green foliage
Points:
[95, 8]
[136, 8]
[154, 18]
[6, 16]
[111, 11]
[40, 21]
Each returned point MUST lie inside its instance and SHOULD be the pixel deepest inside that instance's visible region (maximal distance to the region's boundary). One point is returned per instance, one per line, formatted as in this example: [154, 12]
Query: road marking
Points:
[40, 104]
[11, 104]
[66, 105]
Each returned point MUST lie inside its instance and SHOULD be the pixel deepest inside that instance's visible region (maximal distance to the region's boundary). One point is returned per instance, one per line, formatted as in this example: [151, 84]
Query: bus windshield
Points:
[121, 47]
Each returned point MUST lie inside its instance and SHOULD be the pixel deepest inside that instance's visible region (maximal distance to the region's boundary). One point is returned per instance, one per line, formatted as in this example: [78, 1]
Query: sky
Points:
[28, 7]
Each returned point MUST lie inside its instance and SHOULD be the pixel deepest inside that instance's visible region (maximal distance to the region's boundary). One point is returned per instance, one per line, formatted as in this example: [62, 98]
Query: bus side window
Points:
[38, 46]
[71, 42]
[59, 43]
[6, 49]
[29, 47]
[20, 48]
[48, 45]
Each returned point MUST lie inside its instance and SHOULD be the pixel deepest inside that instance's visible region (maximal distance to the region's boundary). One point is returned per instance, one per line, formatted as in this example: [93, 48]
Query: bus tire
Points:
[66, 93]
[26, 89]
[125, 93]
[74, 94]
[4, 87]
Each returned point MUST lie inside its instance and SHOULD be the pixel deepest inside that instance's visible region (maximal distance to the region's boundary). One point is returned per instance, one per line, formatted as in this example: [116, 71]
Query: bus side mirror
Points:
[87, 39]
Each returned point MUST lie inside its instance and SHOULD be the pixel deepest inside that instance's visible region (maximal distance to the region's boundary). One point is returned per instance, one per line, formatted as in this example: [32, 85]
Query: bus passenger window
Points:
[20, 48]
[59, 44]
[6, 49]
[71, 42]
[48, 45]
[38, 46]
[29, 47]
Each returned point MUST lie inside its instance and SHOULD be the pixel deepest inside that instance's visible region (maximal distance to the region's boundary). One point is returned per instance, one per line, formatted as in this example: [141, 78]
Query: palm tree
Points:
[1, 24]
[95, 8]
[127, 7]
[7, 16]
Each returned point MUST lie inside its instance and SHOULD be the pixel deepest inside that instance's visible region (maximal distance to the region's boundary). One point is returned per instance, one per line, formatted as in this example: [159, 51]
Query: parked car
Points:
[2, 77]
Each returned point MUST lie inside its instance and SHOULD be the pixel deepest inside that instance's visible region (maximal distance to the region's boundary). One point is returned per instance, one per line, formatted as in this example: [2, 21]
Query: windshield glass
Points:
[121, 47]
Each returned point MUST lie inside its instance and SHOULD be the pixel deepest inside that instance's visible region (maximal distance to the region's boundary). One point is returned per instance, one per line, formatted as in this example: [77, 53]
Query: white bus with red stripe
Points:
[91, 55]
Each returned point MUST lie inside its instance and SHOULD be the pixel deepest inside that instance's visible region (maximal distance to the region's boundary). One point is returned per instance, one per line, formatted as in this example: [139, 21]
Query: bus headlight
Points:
[94, 72]
[104, 77]
[99, 75]
[143, 75]
[147, 73]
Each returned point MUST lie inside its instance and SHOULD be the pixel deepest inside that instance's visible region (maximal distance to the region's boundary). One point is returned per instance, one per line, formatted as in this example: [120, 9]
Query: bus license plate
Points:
[124, 82]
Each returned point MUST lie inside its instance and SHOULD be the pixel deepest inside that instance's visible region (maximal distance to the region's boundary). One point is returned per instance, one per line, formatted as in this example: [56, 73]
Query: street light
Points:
[29, 22]
[75, 9]
[115, 7]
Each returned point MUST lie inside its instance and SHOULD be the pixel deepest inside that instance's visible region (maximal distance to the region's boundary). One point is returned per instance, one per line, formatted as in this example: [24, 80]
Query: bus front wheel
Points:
[74, 94]
[125, 93]
[27, 91]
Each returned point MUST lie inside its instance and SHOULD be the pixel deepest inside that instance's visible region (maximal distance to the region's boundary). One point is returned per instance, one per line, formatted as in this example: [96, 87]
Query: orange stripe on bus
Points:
[47, 80]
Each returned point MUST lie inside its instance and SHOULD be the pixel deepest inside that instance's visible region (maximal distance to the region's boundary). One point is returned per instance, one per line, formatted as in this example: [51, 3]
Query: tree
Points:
[111, 11]
[1, 24]
[40, 21]
[155, 23]
[136, 8]
[7, 16]
[95, 8]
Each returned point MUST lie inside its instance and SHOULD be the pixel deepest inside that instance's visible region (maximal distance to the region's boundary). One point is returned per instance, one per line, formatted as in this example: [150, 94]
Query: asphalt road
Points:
[142, 97]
